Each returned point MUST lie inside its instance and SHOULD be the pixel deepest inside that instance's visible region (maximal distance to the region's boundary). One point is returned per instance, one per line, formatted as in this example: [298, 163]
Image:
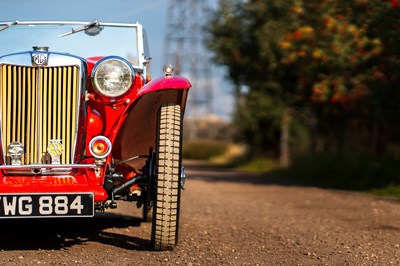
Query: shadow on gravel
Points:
[60, 233]
[212, 173]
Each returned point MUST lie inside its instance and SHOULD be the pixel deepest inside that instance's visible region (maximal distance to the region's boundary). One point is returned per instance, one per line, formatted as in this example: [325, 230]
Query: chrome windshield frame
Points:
[139, 32]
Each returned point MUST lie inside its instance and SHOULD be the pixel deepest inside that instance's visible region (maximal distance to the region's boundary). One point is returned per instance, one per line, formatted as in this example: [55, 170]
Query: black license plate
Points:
[46, 205]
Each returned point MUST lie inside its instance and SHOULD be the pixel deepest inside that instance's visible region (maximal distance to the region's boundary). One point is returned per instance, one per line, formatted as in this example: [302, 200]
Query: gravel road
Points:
[227, 218]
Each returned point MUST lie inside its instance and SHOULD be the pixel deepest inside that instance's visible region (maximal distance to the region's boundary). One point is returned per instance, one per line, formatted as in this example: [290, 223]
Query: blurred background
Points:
[306, 89]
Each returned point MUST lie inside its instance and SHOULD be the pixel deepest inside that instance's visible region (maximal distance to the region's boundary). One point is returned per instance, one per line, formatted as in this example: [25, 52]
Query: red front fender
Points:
[164, 83]
[138, 131]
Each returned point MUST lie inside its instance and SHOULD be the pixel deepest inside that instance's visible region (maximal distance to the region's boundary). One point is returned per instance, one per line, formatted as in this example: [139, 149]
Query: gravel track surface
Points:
[227, 218]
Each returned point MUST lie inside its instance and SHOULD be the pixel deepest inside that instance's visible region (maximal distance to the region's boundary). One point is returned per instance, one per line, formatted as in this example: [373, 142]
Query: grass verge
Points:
[356, 172]
[204, 149]
[348, 172]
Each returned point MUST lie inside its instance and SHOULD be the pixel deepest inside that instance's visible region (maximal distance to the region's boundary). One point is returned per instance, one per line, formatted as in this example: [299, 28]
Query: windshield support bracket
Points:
[8, 25]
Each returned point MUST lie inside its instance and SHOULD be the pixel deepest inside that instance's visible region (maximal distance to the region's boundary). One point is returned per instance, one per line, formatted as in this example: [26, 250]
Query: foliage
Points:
[203, 149]
[390, 191]
[334, 63]
[350, 171]
[244, 37]
[331, 54]
[347, 62]
[258, 165]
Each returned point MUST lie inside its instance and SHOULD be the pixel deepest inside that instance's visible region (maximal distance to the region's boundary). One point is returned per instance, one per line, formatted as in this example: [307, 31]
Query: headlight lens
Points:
[112, 77]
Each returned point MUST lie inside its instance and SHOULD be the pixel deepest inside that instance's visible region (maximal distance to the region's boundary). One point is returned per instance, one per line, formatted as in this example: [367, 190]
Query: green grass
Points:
[259, 164]
[390, 191]
[340, 171]
[203, 149]
[348, 172]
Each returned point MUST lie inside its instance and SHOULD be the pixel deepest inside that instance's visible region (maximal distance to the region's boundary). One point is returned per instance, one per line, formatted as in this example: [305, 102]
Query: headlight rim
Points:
[102, 61]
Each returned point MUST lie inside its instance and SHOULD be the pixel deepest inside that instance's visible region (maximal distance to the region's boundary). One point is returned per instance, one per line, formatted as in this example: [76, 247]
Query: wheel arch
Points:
[137, 133]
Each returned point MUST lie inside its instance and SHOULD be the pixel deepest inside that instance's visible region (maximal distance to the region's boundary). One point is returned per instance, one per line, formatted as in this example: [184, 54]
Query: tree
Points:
[244, 38]
[336, 61]
[331, 55]
[341, 52]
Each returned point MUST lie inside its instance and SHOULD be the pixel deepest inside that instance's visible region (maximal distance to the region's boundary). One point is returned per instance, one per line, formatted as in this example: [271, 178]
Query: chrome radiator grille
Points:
[37, 105]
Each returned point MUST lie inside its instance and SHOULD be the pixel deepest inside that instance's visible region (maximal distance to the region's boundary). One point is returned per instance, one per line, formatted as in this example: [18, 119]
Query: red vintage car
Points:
[82, 125]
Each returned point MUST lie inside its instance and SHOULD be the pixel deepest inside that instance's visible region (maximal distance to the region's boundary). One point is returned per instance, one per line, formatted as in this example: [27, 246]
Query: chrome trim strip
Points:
[47, 166]
[138, 26]
[140, 46]
[38, 114]
[54, 59]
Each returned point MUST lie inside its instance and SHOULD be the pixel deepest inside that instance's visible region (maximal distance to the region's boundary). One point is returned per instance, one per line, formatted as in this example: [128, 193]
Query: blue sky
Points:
[151, 13]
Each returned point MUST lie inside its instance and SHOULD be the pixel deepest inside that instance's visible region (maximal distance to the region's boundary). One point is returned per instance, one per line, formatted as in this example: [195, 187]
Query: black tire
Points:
[147, 189]
[166, 202]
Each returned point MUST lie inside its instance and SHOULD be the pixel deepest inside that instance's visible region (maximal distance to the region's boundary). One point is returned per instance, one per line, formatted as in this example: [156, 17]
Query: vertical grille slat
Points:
[59, 106]
[43, 114]
[31, 147]
[35, 121]
[24, 108]
[29, 119]
[8, 92]
[14, 100]
[64, 108]
[68, 122]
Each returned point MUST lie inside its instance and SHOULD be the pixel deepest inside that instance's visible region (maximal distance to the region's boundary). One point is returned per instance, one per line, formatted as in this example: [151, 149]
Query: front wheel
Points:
[166, 202]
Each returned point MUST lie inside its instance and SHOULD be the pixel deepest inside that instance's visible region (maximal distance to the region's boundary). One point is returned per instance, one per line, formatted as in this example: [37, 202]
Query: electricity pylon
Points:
[184, 50]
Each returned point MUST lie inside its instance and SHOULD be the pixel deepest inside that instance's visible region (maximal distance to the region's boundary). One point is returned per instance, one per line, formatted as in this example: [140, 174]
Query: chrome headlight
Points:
[112, 76]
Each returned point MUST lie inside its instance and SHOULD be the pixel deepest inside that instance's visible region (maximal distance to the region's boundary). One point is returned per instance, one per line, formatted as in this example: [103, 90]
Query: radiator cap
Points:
[41, 48]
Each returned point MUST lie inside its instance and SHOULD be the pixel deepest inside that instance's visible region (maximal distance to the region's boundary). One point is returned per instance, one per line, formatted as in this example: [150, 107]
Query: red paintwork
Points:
[80, 182]
[128, 121]
[169, 82]
[84, 180]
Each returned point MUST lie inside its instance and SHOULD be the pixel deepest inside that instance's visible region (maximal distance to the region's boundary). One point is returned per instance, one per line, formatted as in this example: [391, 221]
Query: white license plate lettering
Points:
[25, 205]
[45, 205]
[38, 205]
[61, 205]
[77, 205]
[9, 205]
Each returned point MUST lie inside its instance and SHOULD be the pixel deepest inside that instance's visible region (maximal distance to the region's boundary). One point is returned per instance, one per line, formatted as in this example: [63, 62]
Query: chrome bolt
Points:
[183, 178]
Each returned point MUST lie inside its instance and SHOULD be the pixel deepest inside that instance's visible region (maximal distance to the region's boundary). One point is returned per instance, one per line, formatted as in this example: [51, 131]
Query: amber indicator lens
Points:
[100, 146]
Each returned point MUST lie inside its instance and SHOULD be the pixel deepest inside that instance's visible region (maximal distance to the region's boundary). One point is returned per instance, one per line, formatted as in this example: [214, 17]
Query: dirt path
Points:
[228, 218]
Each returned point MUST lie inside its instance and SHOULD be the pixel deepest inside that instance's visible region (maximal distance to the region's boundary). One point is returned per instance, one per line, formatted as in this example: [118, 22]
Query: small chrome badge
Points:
[15, 150]
[40, 59]
[40, 56]
[55, 150]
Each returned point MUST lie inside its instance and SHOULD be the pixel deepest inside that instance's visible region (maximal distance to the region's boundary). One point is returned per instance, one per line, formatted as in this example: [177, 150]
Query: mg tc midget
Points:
[83, 126]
